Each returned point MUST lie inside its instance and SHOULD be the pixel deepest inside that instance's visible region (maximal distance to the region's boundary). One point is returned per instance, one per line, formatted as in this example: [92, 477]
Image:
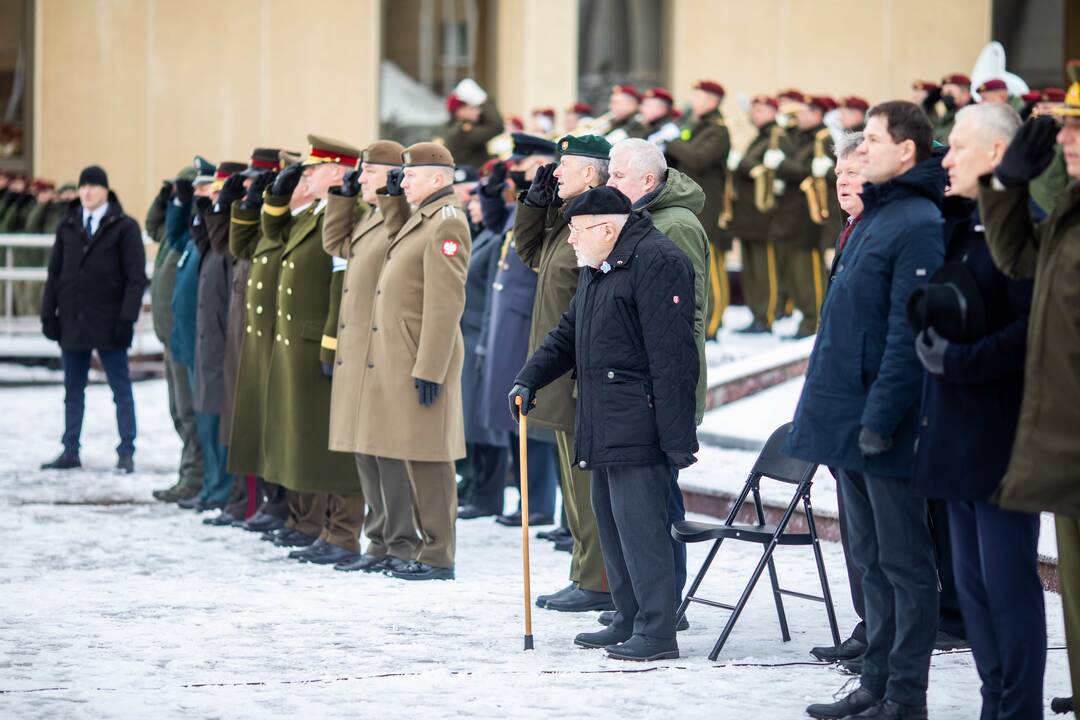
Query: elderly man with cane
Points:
[629, 335]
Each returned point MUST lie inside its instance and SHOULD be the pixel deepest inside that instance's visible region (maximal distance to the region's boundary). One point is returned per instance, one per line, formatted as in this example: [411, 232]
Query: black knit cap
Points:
[603, 200]
[94, 175]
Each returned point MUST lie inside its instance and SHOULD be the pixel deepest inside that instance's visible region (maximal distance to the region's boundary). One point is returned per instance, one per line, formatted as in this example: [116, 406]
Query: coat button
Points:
[341, 326]
[288, 316]
[259, 286]
[345, 290]
[371, 365]
[264, 261]
[249, 282]
[286, 341]
[582, 464]
[278, 338]
[374, 328]
[249, 328]
[610, 374]
[378, 291]
[288, 291]
[259, 310]
[339, 362]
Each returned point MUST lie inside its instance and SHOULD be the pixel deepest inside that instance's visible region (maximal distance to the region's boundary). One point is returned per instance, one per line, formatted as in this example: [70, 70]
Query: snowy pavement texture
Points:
[112, 606]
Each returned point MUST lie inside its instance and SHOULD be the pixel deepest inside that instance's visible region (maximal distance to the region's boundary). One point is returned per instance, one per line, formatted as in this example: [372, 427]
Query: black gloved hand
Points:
[327, 369]
[231, 191]
[123, 332]
[528, 401]
[287, 180]
[1030, 152]
[394, 176]
[202, 204]
[871, 444]
[254, 196]
[496, 182]
[164, 194]
[681, 460]
[932, 98]
[350, 184]
[542, 191]
[428, 391]
[184, 191]
[50, 327]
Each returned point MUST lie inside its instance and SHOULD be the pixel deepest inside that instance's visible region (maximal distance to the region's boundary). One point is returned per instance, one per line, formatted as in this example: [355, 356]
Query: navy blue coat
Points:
[629, 336]
[483, 264]
[863, 371]
[969, 414]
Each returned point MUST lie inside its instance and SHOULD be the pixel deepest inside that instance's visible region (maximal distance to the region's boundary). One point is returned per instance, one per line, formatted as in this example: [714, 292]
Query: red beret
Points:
[924, 85]
[489, 166]
[956, 79]
[993, 84]
[550, 112]
[766, 100]
[824, 103]
[1032, 96]
[710, 87]
[626, 90]
[792, 94]
[453, 102]
[580, 108]
[854, 102]
[516, 122]
[1053, 94]
[660, 94]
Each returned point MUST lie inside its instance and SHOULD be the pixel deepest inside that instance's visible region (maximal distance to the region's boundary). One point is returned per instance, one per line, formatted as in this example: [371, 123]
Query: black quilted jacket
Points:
[629, 336]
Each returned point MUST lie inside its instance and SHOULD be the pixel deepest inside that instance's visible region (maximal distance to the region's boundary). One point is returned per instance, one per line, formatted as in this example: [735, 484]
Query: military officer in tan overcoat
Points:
[355, 226]
[407, 298]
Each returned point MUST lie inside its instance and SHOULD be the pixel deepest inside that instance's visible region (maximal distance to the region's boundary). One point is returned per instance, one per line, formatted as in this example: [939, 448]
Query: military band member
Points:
[575, 115]
[853, 113]
[474, 121]
[622, 120]
[408, 304]
[701, 151]
[657, 113]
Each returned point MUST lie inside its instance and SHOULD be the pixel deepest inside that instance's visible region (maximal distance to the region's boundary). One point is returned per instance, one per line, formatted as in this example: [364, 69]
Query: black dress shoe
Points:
[537, 519]
[125, 464]
[511, 520]
[393, 564]
[755, 328]
[291, 537]
[225, 518]
[313, 550]
[579, 600]
[566, 545]
[602, 638]
[262, 522]
[558, 533]
[1061, 705]
[363, 563]
[416, 570]
[541, 600]
[332, 555]
[643, 649]
[606, 617]
[192, 503]
[851, 666]
[64, 461]
[889, 710]
[850, 648]
[471, 512]
[851, 704]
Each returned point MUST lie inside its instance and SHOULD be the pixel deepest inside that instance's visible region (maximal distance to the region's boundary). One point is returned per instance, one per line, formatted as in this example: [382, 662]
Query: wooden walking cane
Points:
[523, 440]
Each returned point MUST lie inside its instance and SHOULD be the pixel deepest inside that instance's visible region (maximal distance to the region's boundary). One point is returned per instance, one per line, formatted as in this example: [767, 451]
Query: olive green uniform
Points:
[701, 152]
[467, 141]
[760, 269]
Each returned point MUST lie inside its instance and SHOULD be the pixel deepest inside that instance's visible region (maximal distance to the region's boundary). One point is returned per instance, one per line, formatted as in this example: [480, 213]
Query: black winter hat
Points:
[94, 175]
[602, 200]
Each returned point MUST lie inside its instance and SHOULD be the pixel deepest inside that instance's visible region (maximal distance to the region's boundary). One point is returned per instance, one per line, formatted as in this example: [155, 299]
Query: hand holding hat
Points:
[1029, 154]
[931, 349]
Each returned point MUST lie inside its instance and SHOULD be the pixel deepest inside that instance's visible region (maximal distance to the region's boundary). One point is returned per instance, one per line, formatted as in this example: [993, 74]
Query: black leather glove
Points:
[528, 400]
[542, 191]
[184, 191]
[231, 191]
[164, 194]
[254, 196]
[871, 444]
[327, 369]
[287, 180]
[51, 328]
[1030, 152]
[202, 204]
[350, 184]
[394, 176]
[681, 460]
[428, 391]
[932, 98]
[123, 333]
[496, 182]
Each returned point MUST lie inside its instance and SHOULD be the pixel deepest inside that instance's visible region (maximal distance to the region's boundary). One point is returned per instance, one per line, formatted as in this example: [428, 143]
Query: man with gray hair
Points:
[639, 170]
[972, 392]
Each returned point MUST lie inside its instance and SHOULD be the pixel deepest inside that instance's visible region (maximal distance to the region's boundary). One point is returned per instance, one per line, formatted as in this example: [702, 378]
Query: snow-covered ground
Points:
[113, 606]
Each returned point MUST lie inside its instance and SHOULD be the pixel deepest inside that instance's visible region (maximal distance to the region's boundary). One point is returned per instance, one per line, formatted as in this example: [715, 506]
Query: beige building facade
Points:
[141, 85]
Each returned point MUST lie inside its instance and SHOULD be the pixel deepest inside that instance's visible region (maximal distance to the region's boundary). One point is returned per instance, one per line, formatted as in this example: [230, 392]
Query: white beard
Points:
[582, 261]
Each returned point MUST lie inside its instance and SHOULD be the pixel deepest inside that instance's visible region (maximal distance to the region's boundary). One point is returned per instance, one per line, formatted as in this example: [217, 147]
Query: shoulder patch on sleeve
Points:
[450, 247]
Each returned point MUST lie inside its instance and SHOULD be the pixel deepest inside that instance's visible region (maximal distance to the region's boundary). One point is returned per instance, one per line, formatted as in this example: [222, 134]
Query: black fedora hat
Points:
[951, 303]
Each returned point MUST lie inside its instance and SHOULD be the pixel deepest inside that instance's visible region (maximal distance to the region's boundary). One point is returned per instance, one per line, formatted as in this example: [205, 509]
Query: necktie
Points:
[90, 226]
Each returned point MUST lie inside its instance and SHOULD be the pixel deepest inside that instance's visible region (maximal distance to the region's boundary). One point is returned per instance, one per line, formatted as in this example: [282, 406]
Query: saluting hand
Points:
[350, 184]
[1030, 152]
[542, 191]
[394, 177]
[254, 196]
[231, 190]
[287, 180]
[496, 181]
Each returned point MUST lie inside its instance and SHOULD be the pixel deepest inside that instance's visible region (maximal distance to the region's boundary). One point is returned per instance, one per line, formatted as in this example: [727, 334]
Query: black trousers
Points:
[490, 465]
[631, 508]
[891, 545]
[995, 556]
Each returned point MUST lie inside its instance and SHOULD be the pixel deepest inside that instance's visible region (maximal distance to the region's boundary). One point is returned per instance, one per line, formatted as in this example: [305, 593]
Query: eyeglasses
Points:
[577, 231]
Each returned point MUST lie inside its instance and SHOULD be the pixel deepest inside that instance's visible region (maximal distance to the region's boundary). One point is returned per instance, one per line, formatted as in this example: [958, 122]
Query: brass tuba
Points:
[764, 178]
[815, 188]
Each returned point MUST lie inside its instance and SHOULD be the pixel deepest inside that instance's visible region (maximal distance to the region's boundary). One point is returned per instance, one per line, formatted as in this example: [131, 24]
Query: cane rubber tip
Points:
[528, 642]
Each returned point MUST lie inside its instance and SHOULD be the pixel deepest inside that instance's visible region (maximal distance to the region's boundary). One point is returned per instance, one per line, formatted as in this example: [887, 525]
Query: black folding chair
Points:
[771, 463]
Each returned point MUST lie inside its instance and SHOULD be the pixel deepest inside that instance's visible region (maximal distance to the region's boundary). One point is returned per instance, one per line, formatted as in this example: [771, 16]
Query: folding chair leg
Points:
[826, 594]
[762, 563]
[780, 614]
[697, 582]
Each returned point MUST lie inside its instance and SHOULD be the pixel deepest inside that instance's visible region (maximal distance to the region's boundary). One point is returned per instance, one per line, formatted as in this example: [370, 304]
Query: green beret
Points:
[592, 146]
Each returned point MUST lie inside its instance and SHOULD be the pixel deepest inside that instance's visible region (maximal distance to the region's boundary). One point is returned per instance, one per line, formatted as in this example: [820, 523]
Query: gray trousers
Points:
[182, 411]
